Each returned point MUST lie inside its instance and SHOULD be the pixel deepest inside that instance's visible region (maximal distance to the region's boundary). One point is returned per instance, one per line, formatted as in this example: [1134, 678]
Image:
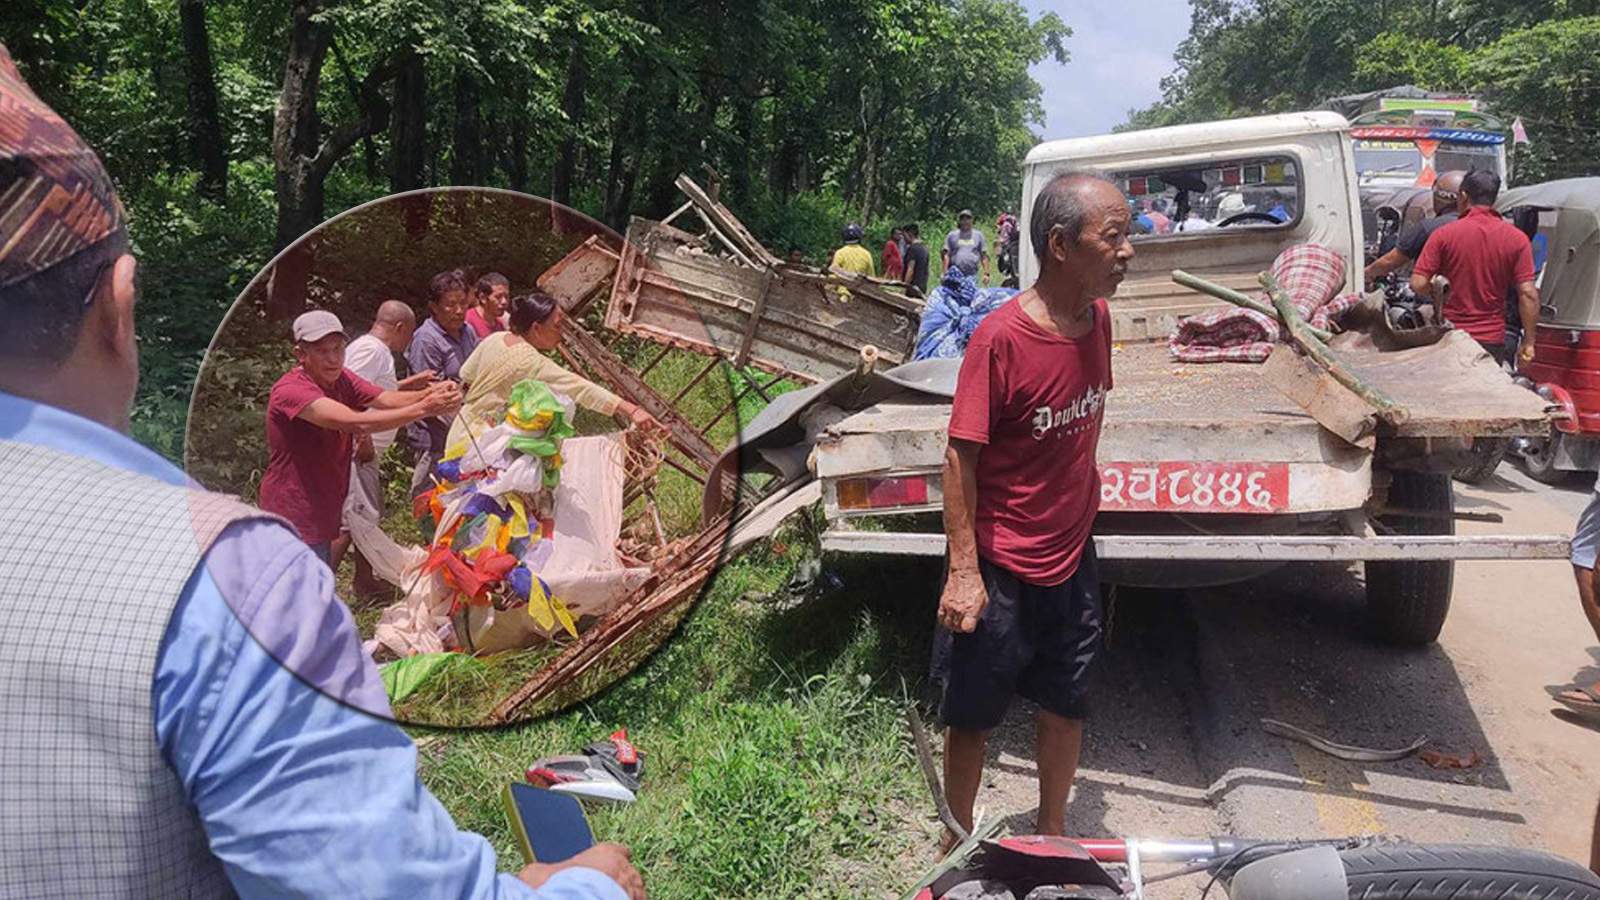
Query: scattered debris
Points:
[1340, 751]
[1441, 760]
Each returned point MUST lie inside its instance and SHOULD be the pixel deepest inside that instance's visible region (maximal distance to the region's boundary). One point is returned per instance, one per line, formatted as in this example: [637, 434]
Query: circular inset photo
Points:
[500, 425]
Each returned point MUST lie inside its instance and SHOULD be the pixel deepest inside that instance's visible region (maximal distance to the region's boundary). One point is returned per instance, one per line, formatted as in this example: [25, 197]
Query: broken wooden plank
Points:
[669, 290]
[576, 279]
[593, 355]
[743, 356]
[1323, 398]
[1318, 352]
[718, 216]
[677, 581]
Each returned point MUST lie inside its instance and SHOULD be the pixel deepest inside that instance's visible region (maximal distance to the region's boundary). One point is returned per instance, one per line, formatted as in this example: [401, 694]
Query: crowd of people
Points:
[331, 418]
[906, 259]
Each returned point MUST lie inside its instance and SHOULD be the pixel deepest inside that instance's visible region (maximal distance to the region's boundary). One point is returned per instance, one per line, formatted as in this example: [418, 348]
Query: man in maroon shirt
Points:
[1020, 611]
[313, 412]
[1484, 258]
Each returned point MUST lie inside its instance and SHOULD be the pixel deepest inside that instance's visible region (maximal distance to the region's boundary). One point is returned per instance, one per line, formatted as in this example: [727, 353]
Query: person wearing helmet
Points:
[1446, 209]
[852, 257]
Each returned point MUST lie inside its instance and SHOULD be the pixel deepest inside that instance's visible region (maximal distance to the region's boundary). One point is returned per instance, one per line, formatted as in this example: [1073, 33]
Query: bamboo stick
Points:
[1196, 283]
[1303, 334]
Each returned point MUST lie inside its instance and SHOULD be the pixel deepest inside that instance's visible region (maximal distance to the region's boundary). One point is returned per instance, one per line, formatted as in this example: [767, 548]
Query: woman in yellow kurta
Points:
[505, 358]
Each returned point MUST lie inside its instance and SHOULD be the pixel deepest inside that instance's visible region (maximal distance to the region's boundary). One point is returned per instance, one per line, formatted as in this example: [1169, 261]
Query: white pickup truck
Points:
[1209, 474]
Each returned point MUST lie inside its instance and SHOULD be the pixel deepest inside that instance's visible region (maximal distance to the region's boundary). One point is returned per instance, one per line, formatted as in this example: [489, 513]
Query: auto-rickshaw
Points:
[1566, 368]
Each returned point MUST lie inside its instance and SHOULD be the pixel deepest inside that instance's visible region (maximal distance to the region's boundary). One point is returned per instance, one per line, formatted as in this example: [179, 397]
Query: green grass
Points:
[777, 762]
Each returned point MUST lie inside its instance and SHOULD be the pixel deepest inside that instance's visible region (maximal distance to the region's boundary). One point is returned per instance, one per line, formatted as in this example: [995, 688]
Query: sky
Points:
[1120, 49]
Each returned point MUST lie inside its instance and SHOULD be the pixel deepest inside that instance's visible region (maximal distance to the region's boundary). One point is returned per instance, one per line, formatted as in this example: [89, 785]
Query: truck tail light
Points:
[883, 493]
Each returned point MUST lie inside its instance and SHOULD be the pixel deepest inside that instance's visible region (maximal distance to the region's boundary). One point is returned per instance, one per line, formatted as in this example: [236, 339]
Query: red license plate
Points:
[1194, 487]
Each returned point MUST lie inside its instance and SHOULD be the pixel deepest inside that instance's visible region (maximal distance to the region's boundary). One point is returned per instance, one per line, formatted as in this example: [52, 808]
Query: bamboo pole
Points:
[1304, 335]
[1196, 283]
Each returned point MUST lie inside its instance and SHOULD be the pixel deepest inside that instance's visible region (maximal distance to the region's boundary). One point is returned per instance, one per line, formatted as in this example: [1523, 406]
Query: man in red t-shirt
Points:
[1020, 611]
[313, 412]
[1484, 258]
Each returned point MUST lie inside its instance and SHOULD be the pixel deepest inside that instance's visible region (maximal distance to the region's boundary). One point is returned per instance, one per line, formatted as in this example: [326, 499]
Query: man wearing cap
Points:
[188, 712]
[965, 249]
[313, 412]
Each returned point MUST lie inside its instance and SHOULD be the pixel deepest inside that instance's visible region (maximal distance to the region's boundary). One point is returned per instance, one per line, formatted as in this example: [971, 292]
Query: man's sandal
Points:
[1580, 699]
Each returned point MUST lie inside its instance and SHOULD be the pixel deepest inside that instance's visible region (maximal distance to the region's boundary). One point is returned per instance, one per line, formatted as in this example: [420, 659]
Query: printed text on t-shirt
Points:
[1086, 406]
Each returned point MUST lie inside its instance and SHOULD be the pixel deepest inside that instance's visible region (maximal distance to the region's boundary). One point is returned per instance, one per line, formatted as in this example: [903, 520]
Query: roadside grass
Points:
[777, 762]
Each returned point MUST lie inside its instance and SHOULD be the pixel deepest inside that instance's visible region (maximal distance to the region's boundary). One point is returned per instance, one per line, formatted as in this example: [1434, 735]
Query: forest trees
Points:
[234, 127]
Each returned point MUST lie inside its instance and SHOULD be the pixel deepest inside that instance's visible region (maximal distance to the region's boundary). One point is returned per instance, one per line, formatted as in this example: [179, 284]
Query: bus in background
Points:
[1404, 138]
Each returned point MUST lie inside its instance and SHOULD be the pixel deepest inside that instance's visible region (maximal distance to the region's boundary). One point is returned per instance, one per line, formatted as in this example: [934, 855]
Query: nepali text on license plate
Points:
[1194, 487]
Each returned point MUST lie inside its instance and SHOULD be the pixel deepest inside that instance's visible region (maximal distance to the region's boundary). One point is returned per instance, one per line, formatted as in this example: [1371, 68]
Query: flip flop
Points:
[1589, 703]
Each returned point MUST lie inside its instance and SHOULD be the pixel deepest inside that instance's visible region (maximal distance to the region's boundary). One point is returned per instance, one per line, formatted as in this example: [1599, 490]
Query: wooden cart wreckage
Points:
[709, 293]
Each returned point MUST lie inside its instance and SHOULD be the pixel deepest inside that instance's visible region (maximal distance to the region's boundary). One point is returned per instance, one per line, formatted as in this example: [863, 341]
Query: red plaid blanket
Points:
[1310, 274]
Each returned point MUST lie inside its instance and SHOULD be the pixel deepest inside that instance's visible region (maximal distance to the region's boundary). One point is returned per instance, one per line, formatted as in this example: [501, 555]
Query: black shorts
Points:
[1036, 641]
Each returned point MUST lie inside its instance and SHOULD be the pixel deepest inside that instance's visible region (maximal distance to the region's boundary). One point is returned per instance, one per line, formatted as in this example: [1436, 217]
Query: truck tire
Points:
[1463, 872]
[1484, 458]
[1407, 600]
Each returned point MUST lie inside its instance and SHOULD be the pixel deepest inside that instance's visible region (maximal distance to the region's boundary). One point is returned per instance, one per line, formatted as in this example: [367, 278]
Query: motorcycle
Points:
[1052, 868]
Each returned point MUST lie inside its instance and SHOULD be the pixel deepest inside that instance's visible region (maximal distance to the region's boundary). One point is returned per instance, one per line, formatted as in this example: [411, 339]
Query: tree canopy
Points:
[1533, 59]
[232, 128]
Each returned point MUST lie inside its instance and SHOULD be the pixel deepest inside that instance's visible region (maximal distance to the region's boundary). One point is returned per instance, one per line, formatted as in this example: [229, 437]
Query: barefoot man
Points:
[1020, 613]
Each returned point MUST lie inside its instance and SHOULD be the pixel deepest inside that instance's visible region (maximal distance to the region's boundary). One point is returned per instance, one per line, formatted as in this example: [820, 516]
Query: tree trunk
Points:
[205, 124]
[668, 153]
[301, 158]
[744, 134]
[466, 157]
[409, 136]
[295, 132]
[572, 106]
[518, 169]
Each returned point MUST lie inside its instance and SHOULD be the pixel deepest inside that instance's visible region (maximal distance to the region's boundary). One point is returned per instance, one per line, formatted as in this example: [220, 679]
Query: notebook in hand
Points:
[550, 827]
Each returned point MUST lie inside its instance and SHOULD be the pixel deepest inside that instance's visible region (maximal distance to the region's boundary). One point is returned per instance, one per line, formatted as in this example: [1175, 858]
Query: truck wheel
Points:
[1485, 457]
[1407, 600]
[1539, 460]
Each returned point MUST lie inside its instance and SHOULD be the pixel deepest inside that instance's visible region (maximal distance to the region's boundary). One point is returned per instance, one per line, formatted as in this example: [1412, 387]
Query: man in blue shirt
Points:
[263, 717]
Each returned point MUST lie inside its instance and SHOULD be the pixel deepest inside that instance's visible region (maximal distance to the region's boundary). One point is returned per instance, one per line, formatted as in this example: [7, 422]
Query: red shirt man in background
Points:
[491, 296]
[1483, 257]
[313, 412]
[1020, 611]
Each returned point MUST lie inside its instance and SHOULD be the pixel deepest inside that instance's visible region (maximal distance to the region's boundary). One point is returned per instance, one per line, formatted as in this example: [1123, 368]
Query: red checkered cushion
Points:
[1309, 273]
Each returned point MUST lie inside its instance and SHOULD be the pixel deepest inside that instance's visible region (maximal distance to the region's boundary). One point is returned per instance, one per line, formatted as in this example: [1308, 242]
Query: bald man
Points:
[371, 356]
[1448, 205]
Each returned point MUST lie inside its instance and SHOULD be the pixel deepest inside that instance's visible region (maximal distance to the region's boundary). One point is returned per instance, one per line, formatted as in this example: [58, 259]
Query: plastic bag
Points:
[954, 310]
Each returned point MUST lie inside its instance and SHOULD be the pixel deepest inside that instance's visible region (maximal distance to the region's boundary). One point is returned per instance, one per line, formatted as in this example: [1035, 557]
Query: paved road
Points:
[1175, 748]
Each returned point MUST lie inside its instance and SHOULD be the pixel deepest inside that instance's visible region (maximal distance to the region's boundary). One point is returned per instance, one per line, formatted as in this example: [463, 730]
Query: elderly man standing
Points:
[371, 357]
[1484, 258]
[1020, 612]
[441, 345]
[216, 731]
[313, 411]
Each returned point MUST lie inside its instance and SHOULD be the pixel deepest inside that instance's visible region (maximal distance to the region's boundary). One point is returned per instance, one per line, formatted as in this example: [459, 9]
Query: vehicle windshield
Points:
[1255, 192]
[1401, 162]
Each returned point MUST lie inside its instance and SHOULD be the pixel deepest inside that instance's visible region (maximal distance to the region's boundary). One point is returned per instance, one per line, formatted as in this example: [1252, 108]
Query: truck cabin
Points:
[1238, 193]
